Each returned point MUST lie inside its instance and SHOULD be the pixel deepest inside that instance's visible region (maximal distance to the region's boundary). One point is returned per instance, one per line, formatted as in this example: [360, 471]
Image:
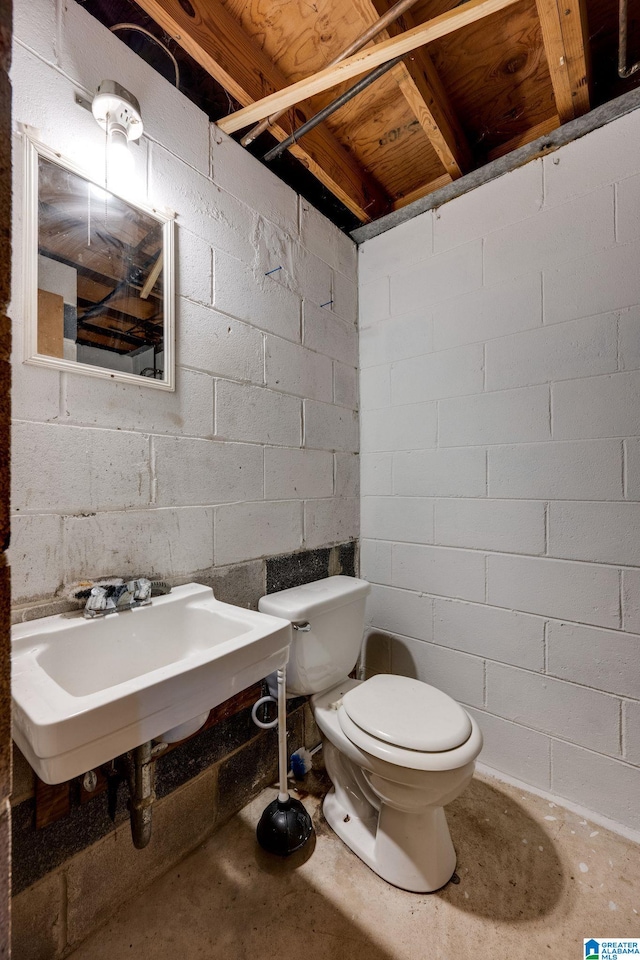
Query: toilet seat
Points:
[402, 756]
[407, 713]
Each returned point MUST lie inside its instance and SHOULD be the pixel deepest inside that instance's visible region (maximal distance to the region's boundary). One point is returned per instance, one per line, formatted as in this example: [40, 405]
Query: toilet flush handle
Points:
[303, 627]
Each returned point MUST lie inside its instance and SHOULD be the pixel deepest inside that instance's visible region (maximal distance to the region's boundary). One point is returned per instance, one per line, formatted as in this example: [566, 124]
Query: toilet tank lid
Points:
[407, 713]
[310, 599]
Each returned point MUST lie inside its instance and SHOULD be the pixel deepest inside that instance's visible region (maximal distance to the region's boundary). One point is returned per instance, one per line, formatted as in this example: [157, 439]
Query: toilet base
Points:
[412, 851]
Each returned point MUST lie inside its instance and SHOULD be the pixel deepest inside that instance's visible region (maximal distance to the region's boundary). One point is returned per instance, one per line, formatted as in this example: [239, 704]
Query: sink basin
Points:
[85, 691]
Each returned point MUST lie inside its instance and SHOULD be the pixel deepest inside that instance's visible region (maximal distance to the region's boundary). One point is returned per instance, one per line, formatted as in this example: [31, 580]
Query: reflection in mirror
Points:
[102, 279]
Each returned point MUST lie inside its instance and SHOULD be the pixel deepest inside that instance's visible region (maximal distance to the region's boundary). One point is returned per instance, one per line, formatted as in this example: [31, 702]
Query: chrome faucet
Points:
[125, 596]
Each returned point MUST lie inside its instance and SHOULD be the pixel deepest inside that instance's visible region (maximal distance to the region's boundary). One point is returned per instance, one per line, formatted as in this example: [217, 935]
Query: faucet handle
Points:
[140, 590]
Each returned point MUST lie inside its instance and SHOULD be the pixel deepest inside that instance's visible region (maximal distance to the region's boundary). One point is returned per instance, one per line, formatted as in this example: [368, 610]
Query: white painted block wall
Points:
[255, 452]
[500, 393]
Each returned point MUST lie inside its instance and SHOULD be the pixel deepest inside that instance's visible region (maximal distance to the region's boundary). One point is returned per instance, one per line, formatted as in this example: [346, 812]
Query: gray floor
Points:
[535, 879]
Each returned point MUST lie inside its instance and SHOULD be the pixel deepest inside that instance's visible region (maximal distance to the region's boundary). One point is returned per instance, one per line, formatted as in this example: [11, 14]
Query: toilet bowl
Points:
[396, 749]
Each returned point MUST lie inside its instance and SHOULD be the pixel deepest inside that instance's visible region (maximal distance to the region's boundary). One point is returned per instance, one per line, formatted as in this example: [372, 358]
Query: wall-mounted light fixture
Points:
[118, 113]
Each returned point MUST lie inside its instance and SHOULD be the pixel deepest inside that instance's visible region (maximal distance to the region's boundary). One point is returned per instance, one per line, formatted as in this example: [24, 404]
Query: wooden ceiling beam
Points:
[564, 34]
[362, 62]
[218, 43]
[422, 88]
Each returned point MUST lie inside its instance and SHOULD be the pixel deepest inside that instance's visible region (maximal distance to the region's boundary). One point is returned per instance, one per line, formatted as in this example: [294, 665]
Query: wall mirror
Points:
[99, 268]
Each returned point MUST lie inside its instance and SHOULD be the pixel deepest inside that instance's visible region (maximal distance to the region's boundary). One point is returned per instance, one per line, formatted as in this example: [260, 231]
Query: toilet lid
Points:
[407, 713]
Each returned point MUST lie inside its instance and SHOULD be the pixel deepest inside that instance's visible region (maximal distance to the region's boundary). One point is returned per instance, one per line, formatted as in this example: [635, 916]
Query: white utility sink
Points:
[85, 691]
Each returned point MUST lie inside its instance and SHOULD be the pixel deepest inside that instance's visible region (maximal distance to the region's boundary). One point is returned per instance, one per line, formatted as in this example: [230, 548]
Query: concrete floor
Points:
[535, 879]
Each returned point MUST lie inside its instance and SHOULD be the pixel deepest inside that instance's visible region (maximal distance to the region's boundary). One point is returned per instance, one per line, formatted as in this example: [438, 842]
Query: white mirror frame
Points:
[33, 150]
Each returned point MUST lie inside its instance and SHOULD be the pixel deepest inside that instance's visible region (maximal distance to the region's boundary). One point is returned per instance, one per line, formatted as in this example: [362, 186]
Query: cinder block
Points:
[562, 351]
[408, 519]
[89, 53]
[224, 222]
[607, 406]
[34, 24]
[593, 284]
[605, 532]
[502, 635]
[557, 588]
[440, 473]
[256, 414]
[346, 475]
[35, 391]
[375, 561]
[602, 659]
[511, 198]
[375, 474]
[330, 521]
[408, 427]
[449, 373]
[265, 304]
[513, 749]
[507, 416]
[400, 611]
[584, 716]
[375, 387]
[396, 339]
[38, 920]
[134, 543]
[194, 268]
[632, 464]
[374, 301]
[297, 473]
[247, 530]
[631, 600]
[62, 469]
[511, 526]
[577, 228]
[329, 334]
[35, 572]
[312, 278]
[576, 470]
[629, 339]
[457, 674]
[105, 874]
[439, 571]
[219, 345]
[631, 731]
[239, 173]
[441, 277]
[408, 243]
[603, 156]
[328, 427]
[587, 777]
[488, 313]
[345, 298]
[326, 241]
[217, 472]
[294, 369]
[345, 385]
[628, 208]
[126, 406]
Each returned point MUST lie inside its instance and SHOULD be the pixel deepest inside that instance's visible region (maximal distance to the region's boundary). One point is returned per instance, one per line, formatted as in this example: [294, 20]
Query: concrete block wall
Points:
[255, 453]
[500, 396]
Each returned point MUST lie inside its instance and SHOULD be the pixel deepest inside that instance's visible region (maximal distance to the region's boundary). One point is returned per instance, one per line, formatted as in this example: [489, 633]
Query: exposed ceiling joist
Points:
[564, 34]
[361, 62]
[218, 43]
[422, 88]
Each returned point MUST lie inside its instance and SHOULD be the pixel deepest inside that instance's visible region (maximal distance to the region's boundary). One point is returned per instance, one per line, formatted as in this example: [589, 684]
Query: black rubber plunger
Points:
[285, 826]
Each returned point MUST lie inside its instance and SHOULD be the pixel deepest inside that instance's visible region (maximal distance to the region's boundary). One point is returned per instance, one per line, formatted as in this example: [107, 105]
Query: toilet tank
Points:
[326, 653]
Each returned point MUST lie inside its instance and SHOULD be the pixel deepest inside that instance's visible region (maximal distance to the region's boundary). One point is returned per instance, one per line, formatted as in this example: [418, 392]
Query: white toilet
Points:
[396, 749]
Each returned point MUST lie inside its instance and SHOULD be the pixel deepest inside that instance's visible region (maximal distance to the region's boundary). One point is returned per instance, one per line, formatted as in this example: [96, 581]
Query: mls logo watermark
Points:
[611, 949]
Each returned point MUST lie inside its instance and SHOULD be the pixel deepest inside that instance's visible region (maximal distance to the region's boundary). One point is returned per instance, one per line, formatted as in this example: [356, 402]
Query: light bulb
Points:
[120, 162]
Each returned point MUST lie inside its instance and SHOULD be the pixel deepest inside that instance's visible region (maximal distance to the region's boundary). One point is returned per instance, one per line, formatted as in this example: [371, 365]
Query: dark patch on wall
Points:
[293, 569]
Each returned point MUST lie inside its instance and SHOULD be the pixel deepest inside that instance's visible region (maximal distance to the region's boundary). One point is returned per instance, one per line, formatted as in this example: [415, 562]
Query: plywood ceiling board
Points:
[383, 132]
[219, 44]
[496, 75]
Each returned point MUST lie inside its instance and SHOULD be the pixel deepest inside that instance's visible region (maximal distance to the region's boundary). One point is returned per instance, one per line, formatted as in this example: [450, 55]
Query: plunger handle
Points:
[282, 735]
